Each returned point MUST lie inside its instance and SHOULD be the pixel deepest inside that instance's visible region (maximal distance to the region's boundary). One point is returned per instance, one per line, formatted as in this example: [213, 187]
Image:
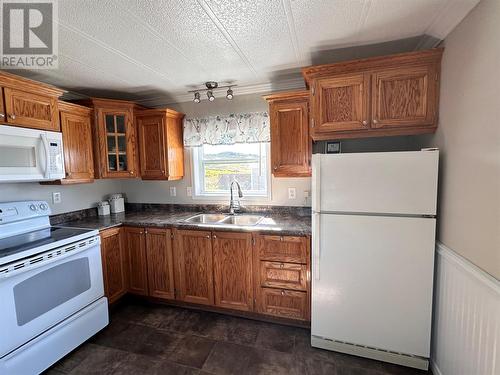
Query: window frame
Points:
[198, 183]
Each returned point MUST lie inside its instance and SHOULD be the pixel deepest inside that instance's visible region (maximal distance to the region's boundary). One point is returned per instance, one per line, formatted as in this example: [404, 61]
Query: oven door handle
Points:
[45, 144]
[48, 257]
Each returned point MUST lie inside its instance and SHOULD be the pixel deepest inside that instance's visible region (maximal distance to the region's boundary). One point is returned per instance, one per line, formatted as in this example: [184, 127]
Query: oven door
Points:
[30, 155]
[43, 290]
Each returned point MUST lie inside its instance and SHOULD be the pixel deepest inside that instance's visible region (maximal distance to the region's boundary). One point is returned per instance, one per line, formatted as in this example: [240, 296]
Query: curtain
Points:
[227, 130]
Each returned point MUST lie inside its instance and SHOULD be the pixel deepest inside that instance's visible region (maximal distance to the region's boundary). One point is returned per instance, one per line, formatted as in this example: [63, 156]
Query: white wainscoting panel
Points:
[466, 327]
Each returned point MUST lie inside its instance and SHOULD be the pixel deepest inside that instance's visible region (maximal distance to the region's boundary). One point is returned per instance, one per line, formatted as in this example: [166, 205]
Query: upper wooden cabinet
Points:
[27, 103]
[160, 144]
[290, 143]
[381, 96]
[77, 140]
[115, 143]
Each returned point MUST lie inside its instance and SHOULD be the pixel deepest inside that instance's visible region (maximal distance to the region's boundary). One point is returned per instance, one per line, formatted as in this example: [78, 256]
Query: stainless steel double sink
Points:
[225, 220]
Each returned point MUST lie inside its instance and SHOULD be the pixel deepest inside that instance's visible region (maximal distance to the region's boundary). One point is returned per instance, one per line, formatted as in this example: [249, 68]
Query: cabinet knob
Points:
[375, 121]
[208, 236]
[214, 236]
[281, 238]
[275, 168]
[282, 265]
[12, 116]
[2, 115]
[131, 172]
[162, 171]
[282, 292]
[365, 123]
[68, 174]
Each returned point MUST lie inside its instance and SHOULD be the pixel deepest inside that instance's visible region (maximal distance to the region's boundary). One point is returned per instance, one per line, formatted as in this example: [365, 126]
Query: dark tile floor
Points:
[152, 339]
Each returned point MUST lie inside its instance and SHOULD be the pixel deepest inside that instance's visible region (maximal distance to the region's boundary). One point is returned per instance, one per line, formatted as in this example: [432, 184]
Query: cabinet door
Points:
[160, 263]
[114, 263]
[283, 303]
[193, 256]
[152, 147]
[233, 270]
[340, 104]
[404, 97]
[116, 143]
[283, 248]
[135, 243]
[31, 110]
[290, 144]
[77, 140]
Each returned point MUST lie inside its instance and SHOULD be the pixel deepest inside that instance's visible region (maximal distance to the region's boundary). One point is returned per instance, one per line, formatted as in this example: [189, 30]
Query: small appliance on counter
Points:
[116, 203]
[103, 208]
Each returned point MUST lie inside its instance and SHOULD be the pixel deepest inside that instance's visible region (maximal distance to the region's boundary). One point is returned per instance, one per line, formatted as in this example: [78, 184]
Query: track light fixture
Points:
[211, 86]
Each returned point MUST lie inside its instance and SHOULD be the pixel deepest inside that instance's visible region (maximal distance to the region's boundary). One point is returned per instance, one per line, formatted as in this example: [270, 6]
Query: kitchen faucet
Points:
[234, 205]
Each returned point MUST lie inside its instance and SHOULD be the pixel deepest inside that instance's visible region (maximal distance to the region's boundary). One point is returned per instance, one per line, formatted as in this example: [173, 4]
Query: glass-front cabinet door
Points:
[117, 143]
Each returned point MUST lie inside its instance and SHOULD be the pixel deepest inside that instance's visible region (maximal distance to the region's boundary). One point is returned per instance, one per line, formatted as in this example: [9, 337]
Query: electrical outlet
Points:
[292, 193]
[173, 191]
[56, 198]
[189, 191]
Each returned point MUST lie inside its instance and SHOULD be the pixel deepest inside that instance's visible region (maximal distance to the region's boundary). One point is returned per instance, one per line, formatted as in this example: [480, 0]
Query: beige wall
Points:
[469, 137]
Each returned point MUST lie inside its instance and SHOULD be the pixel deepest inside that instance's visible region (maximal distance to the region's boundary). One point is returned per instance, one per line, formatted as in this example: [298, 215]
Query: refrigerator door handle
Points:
[316, 250]
[316, 183]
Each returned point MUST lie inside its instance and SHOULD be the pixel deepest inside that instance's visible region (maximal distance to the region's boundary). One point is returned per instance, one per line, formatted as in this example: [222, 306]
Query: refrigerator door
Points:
[374, 282]
[382, 182]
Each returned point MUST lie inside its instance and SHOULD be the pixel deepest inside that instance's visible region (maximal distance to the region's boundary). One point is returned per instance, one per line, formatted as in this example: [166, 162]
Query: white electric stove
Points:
[51, 288]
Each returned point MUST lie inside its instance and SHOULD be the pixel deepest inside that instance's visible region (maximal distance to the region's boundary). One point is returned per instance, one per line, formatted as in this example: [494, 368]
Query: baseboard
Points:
[466, 323]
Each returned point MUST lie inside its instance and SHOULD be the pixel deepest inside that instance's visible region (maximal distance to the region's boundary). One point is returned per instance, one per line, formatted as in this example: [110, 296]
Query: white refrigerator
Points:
[373, 230]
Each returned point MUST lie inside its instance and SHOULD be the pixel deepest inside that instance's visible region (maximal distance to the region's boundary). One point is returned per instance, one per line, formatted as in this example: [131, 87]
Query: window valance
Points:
[227, 130]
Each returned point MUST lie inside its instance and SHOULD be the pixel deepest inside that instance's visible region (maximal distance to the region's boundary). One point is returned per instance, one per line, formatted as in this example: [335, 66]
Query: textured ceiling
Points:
[156, 50]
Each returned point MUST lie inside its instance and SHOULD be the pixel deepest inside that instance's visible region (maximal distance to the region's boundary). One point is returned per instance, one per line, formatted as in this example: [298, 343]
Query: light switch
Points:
[173, 191]
[56, 197]
[292, 193]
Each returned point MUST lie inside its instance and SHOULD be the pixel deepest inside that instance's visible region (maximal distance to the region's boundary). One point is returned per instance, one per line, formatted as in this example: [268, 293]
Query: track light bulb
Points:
[229, 95]
[210, 95]
[196, 97]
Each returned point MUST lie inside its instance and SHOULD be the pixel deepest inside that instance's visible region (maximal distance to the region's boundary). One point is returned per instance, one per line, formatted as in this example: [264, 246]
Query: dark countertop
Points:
[274, 223]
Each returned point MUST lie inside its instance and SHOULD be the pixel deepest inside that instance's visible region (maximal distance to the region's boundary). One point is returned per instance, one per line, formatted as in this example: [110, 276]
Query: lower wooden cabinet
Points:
[160, 263]
[135, 244]
[232, 254]
[284, 303]
[114, 263]
[242, 271]
[194, 271]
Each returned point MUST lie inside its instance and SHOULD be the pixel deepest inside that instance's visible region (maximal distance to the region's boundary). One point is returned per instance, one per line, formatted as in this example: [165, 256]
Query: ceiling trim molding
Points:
[260, 88]
[210, 13]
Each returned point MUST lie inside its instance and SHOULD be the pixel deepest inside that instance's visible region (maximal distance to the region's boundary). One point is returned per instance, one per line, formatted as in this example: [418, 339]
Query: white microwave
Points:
[30, 155]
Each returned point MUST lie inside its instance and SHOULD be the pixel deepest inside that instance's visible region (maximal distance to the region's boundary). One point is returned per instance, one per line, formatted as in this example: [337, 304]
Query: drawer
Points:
[283, 248]
[284, 303]
[283, 275]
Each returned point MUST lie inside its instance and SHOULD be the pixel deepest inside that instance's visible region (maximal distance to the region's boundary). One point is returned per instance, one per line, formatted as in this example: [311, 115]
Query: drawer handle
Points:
[282, 265]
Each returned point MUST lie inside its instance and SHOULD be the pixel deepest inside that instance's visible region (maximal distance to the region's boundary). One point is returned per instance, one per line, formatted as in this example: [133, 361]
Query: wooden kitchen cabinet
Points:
[76, 131]
[232, 260]
[29, 104]
[282, 276]
[115, 140]
[114, 263]
[160, 266]
[135, 245]
[290, 143]
[194, 271]
[160, 144]
[373, 97]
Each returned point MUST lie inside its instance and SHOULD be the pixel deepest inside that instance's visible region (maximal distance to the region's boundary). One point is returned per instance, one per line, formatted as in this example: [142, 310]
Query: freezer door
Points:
[382, 182]
[374, 283]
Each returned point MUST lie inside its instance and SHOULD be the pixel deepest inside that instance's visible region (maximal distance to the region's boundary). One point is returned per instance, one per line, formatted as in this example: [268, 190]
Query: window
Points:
[215, 167]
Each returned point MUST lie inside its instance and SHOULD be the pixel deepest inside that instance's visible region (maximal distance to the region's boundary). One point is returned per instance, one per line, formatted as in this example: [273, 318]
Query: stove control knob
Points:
[33, 207]
[43, 206]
